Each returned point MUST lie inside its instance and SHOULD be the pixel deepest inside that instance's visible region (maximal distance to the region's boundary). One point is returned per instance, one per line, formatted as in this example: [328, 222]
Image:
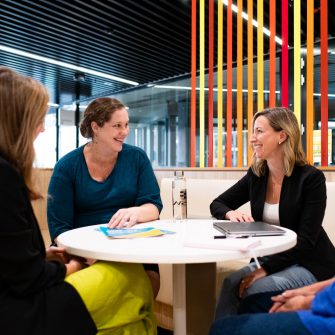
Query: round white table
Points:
[193, 299]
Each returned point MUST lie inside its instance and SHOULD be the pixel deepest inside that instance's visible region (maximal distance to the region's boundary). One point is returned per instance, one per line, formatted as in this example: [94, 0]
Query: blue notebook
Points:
[133, 233]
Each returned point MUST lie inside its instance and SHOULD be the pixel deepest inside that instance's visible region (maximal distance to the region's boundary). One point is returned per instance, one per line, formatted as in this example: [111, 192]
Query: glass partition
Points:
[160, 120]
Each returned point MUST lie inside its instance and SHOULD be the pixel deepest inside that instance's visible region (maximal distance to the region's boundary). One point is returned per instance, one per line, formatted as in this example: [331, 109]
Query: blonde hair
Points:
[23, 105]
[282, 119]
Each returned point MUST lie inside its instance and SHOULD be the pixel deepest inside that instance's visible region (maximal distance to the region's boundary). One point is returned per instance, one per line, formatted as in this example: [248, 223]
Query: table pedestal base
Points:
[193, 298]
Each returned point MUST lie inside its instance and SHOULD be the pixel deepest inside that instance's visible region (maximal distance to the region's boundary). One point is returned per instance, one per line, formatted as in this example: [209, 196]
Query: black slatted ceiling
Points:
[139, 40]
[142, 41]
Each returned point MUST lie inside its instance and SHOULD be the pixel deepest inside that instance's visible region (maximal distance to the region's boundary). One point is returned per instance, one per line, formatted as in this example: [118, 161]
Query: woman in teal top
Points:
[77, 200]
[104, 181]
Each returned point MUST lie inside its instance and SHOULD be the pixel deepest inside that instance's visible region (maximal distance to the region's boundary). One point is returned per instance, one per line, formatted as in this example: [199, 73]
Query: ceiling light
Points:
[330, 95]
[66, 65]
[51, 104]
[254, 22]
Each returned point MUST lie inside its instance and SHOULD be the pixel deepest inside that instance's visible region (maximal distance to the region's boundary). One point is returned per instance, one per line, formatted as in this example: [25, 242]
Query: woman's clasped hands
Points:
[59, 254]
[293, 300]
[72, 263]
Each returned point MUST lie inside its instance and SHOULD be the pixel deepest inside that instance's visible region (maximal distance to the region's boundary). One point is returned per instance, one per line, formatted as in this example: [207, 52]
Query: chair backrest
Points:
[166, 196]
[329, 219]
[201, 192]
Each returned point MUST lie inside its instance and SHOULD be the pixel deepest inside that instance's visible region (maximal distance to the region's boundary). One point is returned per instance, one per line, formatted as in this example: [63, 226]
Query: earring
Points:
[279, 142]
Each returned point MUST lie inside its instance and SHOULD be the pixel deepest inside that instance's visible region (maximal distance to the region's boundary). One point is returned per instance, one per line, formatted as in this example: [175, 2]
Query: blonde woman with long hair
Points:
[283, 190]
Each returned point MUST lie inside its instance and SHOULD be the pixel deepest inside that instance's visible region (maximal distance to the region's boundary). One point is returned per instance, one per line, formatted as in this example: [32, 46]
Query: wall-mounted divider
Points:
[220, 87]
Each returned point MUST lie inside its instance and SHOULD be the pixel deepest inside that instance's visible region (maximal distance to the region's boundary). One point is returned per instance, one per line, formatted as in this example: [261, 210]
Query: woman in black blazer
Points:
[48, 292]
[284, 190]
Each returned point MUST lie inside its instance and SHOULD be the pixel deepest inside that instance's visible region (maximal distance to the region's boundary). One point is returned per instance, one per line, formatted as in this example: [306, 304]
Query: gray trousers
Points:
[292, 277]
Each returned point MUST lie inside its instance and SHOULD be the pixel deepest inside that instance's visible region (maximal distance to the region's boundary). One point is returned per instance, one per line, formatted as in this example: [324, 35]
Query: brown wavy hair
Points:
[23, 106]
[281, 118]
[100, 111]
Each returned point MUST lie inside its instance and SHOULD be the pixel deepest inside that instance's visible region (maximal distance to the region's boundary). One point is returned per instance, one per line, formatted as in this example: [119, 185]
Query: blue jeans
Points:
[257, 303]
[292, 277]
[260, 324]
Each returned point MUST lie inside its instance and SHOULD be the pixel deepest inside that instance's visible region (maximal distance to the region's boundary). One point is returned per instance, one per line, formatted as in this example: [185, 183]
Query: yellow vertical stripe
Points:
[239, 84]
[260, 55]
[297, 69]
[310, 81]
[202, 84]
[250, 75]
[219, 86]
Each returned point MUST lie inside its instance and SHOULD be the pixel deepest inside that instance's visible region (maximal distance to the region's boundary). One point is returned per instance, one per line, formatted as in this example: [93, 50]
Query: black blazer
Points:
[34, 299]
[302, 206]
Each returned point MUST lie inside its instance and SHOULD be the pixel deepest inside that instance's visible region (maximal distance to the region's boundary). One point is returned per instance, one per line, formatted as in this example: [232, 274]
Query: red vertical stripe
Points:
[284, 64]
[324, 80]
[193, 83]
[210, 81]
[229, 85]
[272, 100]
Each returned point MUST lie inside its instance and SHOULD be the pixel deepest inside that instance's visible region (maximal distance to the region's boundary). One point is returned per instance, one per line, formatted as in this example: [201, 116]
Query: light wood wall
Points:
[42, 179]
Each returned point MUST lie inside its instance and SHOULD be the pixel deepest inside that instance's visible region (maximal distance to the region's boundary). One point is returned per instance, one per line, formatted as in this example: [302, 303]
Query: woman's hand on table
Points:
[125, 217]
[247, 281]
[238, 216]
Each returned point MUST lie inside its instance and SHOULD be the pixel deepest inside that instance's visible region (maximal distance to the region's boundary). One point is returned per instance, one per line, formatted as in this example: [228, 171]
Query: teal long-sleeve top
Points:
[76, 200]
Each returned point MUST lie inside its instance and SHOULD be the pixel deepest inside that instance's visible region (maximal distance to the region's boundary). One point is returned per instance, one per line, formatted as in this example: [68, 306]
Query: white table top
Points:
[91, 243]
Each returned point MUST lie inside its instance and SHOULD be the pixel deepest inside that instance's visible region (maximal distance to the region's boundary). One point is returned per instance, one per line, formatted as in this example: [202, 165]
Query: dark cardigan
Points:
[34, 299]
[301, 208]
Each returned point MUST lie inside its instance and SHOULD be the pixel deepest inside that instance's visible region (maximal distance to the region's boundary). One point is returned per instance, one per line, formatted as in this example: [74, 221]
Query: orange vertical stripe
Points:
[250, 75]
[210, 81]
[310, 81]
[229, 85]
[239, 84]
[324, 80]
[272, 70]
[193, 84]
